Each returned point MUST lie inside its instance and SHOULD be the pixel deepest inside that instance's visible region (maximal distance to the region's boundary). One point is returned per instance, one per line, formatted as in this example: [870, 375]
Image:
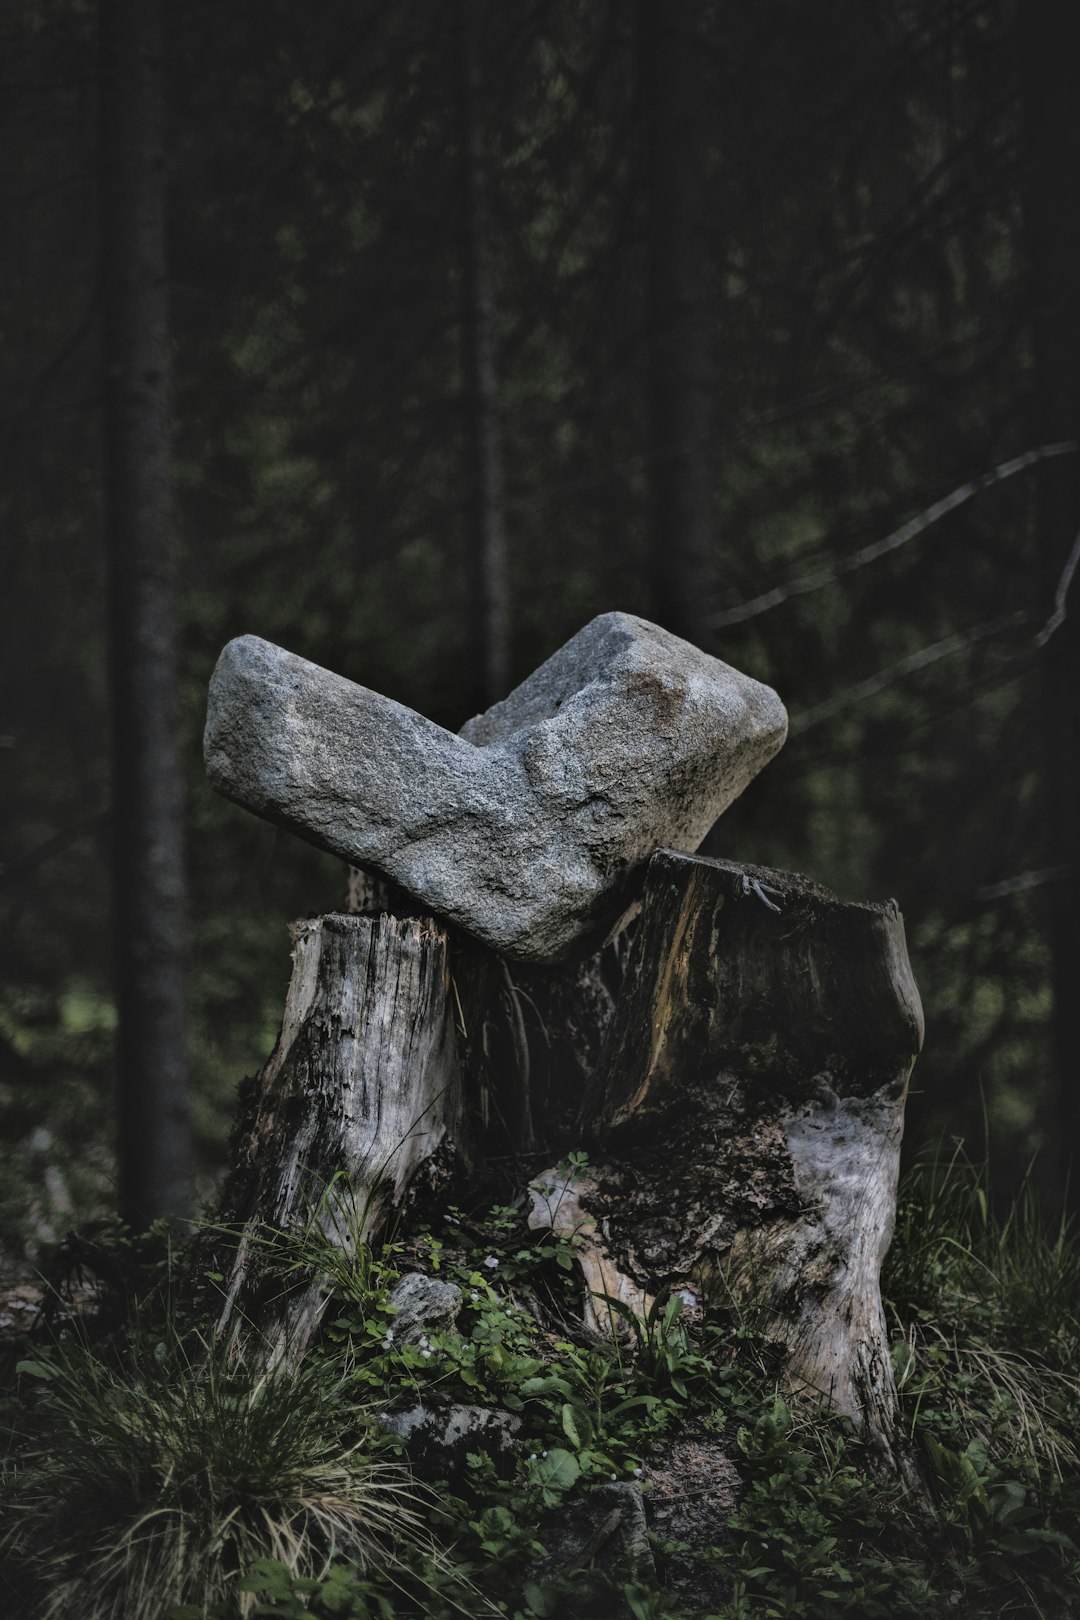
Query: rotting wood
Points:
[534, 1038]
[747, 1112]
[360, 1094]
[557, 1207]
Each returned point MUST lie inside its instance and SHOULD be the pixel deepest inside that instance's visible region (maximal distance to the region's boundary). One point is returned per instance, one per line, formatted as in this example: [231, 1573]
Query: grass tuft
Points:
[158, 1478]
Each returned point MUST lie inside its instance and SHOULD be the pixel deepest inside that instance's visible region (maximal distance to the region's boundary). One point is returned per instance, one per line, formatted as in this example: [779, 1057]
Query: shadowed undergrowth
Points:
[149, 1477]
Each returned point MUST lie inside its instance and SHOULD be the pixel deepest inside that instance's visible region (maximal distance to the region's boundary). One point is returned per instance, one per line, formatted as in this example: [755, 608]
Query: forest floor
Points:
[458, 1444]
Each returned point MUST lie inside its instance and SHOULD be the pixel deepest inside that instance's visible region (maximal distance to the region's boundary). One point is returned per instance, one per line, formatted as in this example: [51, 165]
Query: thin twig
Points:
[906, 666]
[1022, 881]
[899, 537]
[1057, 618]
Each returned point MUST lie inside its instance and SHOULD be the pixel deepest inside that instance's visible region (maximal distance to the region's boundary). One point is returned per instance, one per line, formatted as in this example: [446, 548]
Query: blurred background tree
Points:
[154, 1169]
[489, 318]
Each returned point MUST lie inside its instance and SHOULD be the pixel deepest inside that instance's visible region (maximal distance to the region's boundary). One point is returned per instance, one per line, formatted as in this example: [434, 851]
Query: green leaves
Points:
[817, 1535]
[570, 1426]
[36, 1369]
[556, 1472]
[767, 1438]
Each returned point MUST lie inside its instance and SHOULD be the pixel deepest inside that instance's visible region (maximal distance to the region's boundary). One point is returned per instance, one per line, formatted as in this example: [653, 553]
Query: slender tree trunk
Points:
[490, 587]
[1052, 208]
[149, 891]
[673, 90]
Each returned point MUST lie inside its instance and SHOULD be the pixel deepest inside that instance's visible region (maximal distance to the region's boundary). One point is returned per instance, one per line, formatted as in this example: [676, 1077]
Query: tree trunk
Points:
[361, 1094]
[491, 588]
[1052, 226]
[154, 1147]
[671, 73]
[747, 1115]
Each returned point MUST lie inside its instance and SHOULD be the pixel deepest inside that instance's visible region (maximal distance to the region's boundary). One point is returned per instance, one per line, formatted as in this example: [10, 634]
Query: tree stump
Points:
[738, 1076]
[361, 1093]
[746, 1116]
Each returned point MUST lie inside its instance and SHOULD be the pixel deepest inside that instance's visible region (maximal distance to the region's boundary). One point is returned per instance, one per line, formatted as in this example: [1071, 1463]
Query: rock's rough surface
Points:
[422, 1304]
[527, 830]
[692, 1491]
[438, 1439]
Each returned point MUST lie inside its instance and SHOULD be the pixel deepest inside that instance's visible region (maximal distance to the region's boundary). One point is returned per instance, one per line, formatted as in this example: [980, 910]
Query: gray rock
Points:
[437, 1439]
[527, 830]
[423, 1305]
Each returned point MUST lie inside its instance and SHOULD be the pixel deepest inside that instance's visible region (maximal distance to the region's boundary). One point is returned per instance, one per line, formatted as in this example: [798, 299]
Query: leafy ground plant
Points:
[985, 1341]
[986, 1351]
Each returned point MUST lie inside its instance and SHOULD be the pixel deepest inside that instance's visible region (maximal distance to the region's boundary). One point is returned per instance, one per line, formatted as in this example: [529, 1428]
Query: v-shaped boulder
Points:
[530, 828]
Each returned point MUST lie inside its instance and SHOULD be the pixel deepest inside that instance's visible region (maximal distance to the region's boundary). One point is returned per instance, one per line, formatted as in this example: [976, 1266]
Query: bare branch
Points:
[1022, 881]
[906, 666]
[1057, 618]
[899, 537]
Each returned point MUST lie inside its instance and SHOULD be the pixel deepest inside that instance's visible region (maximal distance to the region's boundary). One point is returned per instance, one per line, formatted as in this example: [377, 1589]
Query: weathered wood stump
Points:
[744, 1114]
[361, 1093]
[747, 1113]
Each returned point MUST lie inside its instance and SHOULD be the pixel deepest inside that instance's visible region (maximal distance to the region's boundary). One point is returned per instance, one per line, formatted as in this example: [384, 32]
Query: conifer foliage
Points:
[485, 319]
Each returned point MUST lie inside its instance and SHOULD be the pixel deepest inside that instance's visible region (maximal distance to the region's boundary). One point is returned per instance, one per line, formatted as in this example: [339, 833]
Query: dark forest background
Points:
[759, 321]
